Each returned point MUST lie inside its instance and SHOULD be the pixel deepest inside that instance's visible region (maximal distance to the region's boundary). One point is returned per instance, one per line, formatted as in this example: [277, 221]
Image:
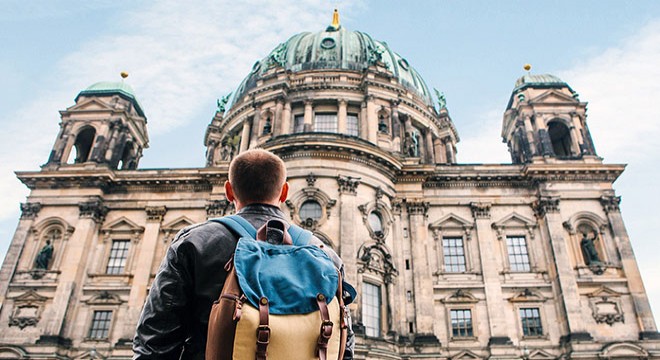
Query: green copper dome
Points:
[542, 80]
[113, 88]
[336, 49]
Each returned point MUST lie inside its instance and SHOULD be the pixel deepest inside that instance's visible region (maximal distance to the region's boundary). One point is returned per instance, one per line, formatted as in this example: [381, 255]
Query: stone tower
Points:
[545, 120]
[106, 127]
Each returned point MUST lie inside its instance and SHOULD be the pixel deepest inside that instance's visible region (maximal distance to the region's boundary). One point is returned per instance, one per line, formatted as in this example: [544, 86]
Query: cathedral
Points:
[525, 260]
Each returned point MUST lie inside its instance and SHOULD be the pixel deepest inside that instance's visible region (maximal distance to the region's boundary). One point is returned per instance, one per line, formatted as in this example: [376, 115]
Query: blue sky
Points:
[181, 56]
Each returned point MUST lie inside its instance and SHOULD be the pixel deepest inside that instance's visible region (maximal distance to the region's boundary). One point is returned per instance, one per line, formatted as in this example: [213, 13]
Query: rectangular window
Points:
[371, 309]
[454, 254]
[461, 323]
[100, 325]
[352, 127]
[531, 322]
[325, 123]
[298, 124]
[518, 256]
[117, 258]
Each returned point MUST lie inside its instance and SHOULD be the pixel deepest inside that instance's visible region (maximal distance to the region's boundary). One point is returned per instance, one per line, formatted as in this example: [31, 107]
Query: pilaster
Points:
[341, 116]
[372, 120]
[648, 329]
[245, 135]
[286, 118]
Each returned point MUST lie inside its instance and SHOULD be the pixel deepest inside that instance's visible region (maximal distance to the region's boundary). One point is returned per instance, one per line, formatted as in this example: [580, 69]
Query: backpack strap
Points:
[299, 235]
[239, 225]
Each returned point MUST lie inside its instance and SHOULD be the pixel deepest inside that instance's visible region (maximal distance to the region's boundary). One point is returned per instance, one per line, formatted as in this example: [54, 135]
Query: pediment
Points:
[528, 295]
[178, 223]
[123, 224]
[105, 298]
[460, 296]
[514, 220]
[464, 355]
[540, 354]
[30, 296]
[552, 97]
[451, 221]
[92, 104]
[604, 291]
[54, 220]
[623, 351]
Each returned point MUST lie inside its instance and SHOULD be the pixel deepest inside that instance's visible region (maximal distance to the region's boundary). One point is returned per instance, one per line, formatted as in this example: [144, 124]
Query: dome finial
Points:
[335, 20]
[123, 75]
[527, 67]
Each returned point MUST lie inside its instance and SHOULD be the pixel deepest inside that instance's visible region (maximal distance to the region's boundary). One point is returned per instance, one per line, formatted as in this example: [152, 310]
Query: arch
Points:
[82, 147]
[314, 194]
[386, 217]
[12, 352]
[128, 159]
[560, 137]
[597, 222]
[623, 350]
[325, 239]
[53, 220]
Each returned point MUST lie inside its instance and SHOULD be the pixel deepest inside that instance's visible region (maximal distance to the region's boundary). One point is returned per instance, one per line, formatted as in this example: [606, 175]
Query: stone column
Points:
[422, 274]
[245, 135]
[547, 210]
[647, 326]
[449, 150]
[309, 115]
[72, 270]
[364, 126]
[256, 127]
[341, 116]
[349, 222]
[430, 158]
[395, 125]
[279, 108]
[286, 119]
[29, 212]
[529, 131]
[372, 120]
[439, 150]
[490, 268]
[575, 146]
[143, 264]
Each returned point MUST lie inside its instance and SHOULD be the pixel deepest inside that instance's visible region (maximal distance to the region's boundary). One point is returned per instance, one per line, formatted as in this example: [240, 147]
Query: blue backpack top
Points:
[289, 276]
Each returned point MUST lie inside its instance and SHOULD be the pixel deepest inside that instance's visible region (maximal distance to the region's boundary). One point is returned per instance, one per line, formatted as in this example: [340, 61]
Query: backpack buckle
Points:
[263, 334]
[326, 329]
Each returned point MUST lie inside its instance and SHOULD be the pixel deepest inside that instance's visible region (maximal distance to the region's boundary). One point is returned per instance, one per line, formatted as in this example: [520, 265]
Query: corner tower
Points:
[546, 121]
[106, 127]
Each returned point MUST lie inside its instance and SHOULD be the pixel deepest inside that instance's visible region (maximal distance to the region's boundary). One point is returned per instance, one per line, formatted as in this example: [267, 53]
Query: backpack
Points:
[282, 298]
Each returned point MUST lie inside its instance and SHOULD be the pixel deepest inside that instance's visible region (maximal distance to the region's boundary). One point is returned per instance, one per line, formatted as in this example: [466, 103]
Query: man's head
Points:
[256, 176]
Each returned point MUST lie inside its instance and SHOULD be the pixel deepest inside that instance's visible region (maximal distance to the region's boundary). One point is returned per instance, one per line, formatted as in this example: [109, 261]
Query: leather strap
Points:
[263, 331]
[326, 328]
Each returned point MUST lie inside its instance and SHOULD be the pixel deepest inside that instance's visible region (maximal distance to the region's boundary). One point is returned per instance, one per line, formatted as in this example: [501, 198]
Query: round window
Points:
[310, 209]
[256, 67]
[404, 64]
[328, 43]
[376, 222]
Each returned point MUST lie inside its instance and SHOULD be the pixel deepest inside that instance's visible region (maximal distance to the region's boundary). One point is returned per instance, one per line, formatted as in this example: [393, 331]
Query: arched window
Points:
[376, 222]
[310, 209]
[127, 161]
[83, 145]
[561, 138]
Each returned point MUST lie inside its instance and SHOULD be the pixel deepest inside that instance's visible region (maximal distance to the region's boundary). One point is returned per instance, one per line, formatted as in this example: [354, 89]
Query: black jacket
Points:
[174, 320]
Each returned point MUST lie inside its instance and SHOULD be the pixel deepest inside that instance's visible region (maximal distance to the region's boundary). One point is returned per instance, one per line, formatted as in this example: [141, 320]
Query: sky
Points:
[183, 55]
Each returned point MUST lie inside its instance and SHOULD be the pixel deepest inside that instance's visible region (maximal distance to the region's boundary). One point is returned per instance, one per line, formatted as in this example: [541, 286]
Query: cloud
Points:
[181, 56]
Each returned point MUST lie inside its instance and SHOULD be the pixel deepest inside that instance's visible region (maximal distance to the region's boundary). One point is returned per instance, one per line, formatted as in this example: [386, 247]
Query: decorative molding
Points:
[514, 221]
[480, 210]
[417, 207]
[27, 309]
[93, 209]
[104, 298]
[451, 223]
[546, 205]
[460, 296]
[29, 210]
[527, 296]
[219, 208]
[348, 184]
[376, 258]
[155, 213]
[311, 179]
[610, 203]
[606, 306]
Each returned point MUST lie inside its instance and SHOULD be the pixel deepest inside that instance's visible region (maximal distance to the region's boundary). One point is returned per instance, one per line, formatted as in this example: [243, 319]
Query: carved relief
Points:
[376, 258]
[545, 205]
[219, 208]
[480, 210]
[606, 306]
[30, 210]
[610, 203]
[155, 213]
[417, 207]
[348, 184]
[27, 309]
[93, 209]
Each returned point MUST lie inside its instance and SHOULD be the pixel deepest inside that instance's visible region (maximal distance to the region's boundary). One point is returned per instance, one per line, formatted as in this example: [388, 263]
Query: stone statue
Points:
[382, 126]
[411, 144]
[278, 56]
[375, 54]
[44, 256]
[442, 100]
[589, 252]
[222, 103]
[268, 127]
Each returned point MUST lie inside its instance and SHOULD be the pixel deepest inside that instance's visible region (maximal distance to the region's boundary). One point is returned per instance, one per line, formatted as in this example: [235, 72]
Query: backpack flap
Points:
[290, 277]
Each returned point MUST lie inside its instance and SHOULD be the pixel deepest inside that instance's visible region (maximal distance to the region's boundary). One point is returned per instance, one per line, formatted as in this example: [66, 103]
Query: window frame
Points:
[509, 254]
[126, 251]
[379, 308]
[453, 335]
[355, 133]
[541, 323]
[323, 116]
[91, 323]
[445, 265]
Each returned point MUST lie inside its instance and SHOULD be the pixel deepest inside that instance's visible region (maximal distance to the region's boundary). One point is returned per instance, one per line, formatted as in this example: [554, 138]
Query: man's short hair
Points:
[257, 176]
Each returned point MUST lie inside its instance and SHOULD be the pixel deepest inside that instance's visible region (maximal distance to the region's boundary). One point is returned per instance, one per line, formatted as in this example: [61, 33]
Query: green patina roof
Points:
[334, 49]
[113, 88]
[539, 80]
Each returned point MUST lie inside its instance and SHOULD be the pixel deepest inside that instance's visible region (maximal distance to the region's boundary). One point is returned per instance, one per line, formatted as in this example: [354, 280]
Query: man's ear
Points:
[229, 192]
[285, 192]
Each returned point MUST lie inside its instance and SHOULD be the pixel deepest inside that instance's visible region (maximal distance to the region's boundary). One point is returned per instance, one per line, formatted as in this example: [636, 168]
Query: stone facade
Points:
[527, 260]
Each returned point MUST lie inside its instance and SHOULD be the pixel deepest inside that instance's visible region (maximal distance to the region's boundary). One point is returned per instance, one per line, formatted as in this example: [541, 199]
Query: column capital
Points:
[218, 208]
[369, 97]
[155, 213]
[342, 102]
[417, 207]
[610, 203]
[348, 184]
[29, 210]
[93, 209]
[480, 210]
[308, 102]
[545, 205]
